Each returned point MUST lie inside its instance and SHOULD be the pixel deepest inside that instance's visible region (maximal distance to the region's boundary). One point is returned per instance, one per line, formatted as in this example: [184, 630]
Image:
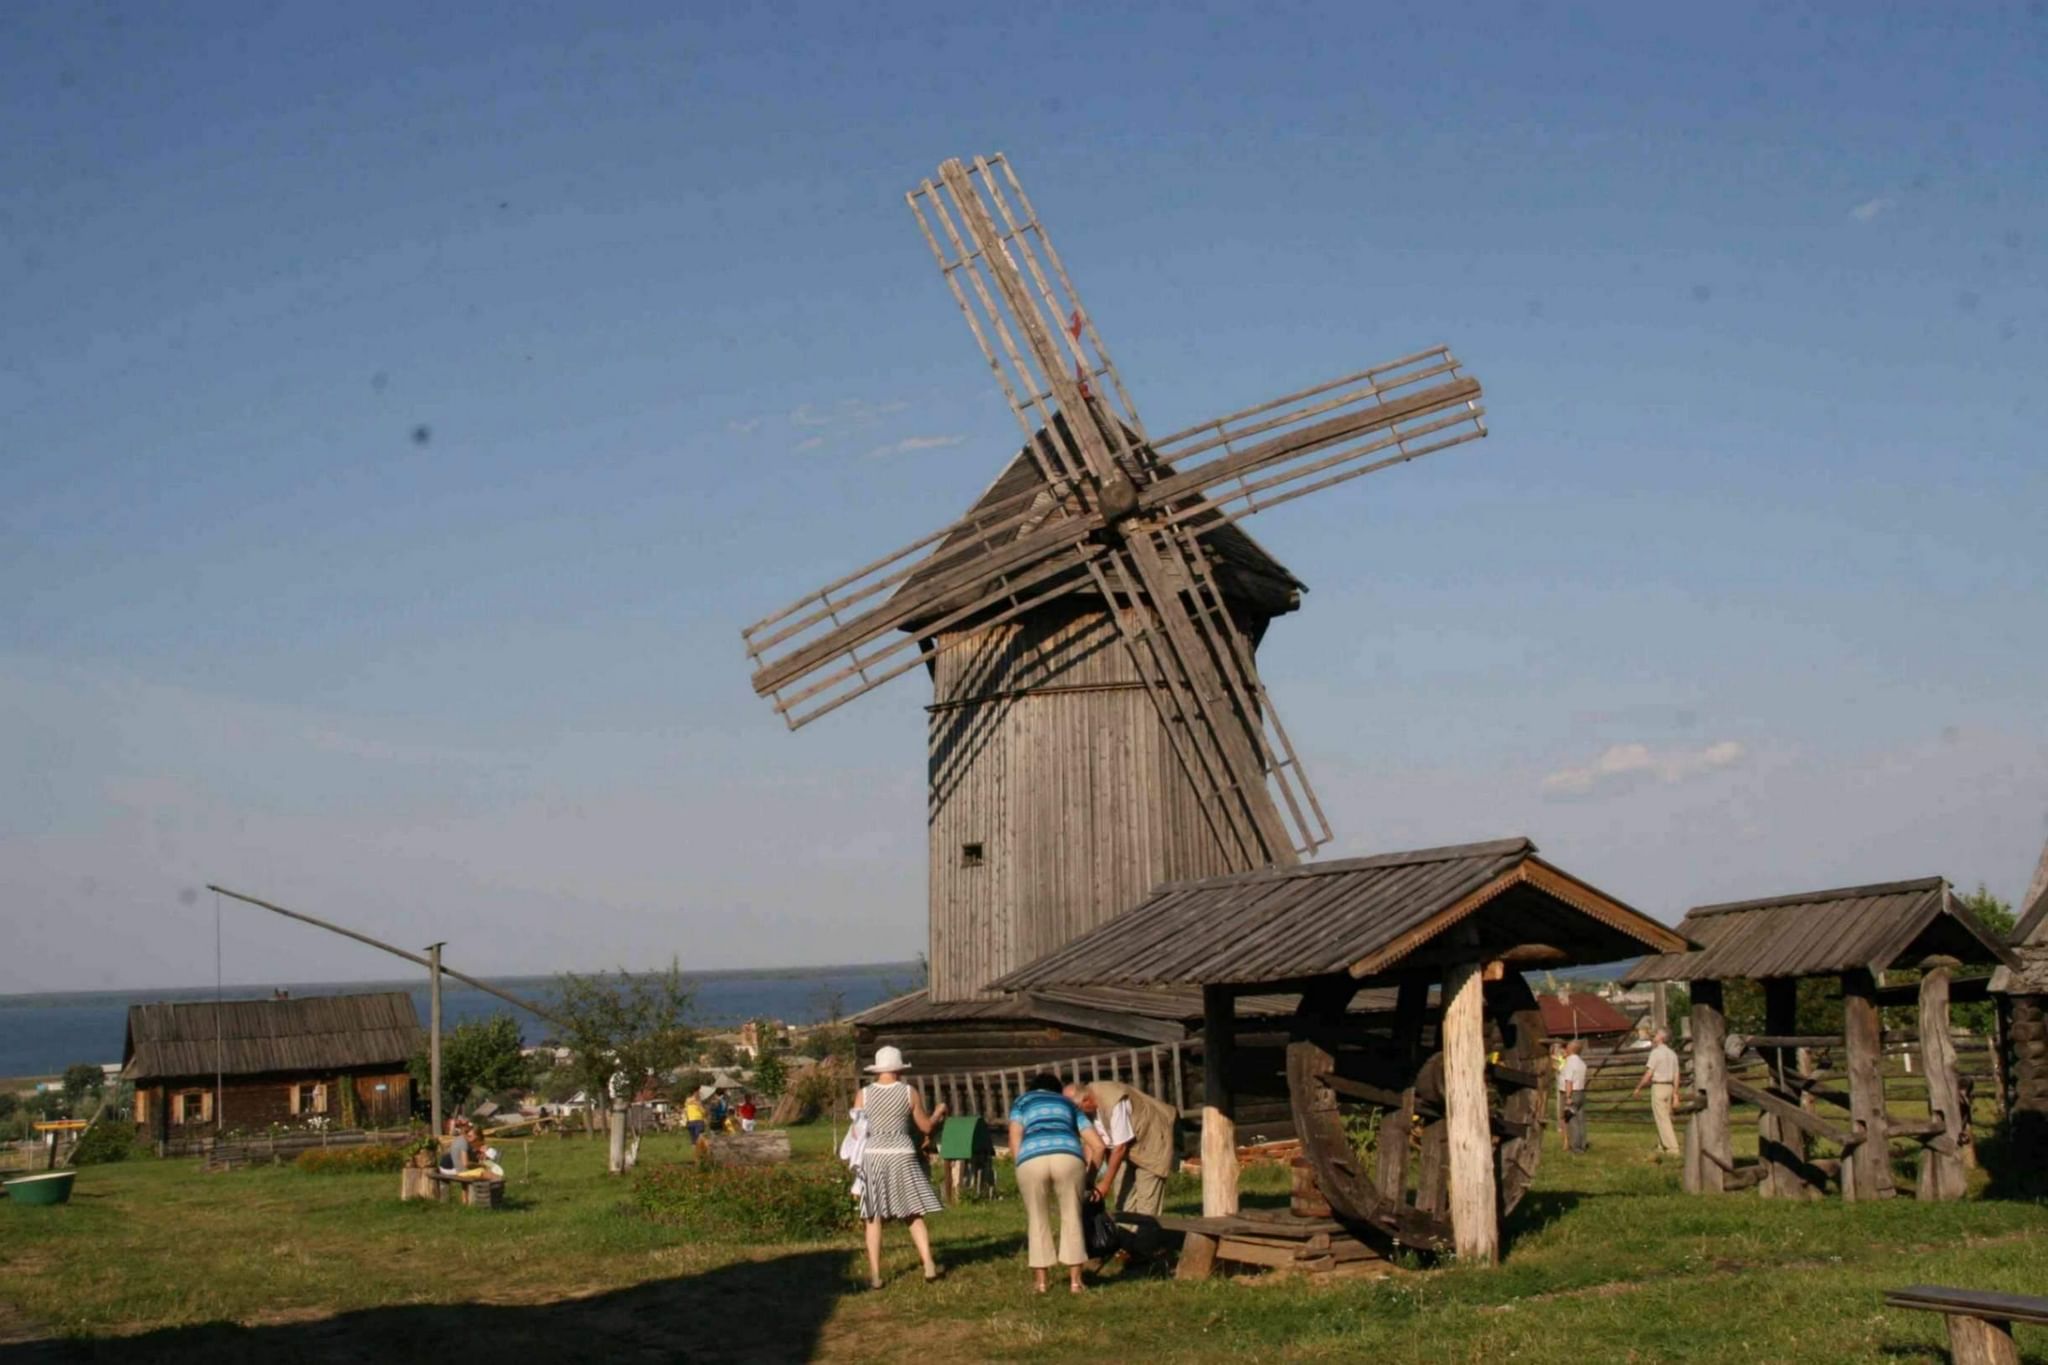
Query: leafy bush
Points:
[105, 1142]
[796, 1201]
[371, 1158]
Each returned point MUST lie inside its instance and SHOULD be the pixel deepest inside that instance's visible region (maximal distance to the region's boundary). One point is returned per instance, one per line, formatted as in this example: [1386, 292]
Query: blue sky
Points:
[401, 411]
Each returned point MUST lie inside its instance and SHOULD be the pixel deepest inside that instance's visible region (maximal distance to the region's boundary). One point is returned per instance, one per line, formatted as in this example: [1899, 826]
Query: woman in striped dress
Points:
[894, 1182]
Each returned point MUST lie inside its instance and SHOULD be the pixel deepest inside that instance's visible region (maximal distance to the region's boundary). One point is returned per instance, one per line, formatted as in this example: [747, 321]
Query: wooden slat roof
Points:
[1819, 933]
[307, 1034]
[1179, 1004]
[1361, 916]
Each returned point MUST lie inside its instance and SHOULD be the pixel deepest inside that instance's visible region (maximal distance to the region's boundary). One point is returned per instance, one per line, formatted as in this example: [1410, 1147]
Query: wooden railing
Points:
[1160, 1070]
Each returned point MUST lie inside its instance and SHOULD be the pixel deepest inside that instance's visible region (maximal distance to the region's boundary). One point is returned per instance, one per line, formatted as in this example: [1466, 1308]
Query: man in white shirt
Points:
[1137, 1136]
[1572, 1095]
[1660, 1073]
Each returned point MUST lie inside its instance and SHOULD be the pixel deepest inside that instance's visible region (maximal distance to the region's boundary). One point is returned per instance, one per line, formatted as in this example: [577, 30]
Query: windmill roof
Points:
[1244, 568]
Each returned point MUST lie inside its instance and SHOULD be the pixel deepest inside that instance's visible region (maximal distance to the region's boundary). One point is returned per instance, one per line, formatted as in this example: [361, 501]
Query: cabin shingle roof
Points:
[307, 1034]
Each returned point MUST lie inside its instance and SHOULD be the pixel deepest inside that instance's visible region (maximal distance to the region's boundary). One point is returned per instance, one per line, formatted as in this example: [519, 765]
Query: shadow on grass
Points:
[770, 1310]
[1539, 1209]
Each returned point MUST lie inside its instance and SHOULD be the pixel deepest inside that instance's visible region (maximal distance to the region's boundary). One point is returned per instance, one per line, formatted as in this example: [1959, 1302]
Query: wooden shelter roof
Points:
[307, 1034]
[1244, 569]
[1361, 916]
[1161, 1004]
[1820, 933]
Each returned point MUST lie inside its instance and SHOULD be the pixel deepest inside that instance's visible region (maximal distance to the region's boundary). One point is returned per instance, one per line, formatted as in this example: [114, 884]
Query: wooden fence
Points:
[1161, 1070]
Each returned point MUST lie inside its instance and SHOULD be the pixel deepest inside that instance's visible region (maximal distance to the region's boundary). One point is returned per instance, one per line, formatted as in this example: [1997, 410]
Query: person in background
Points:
[1053, 1144]
[1136, 1132]
[747, 1113]
[694, 1117]
[1571, 1092]
[717, 1111]
[1660, 1073]
[461, 1153]
[894, 1184]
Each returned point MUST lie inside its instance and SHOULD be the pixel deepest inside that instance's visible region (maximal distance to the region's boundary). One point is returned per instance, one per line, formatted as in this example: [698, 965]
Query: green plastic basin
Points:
[50, 1187]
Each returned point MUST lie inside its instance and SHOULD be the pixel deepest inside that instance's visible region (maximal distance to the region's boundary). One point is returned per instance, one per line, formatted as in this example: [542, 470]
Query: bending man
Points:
[1137, 1132]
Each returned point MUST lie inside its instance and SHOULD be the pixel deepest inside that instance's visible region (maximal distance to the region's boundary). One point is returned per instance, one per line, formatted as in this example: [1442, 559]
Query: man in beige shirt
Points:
[1660, 1073]
[1137, 1133]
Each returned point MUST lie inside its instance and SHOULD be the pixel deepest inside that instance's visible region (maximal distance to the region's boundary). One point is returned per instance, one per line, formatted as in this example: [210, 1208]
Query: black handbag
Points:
[1098, 1229]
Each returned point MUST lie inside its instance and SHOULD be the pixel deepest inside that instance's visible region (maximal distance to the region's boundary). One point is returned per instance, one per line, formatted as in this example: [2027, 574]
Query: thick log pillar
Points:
[1219, 1122]
[1941, 1158]
[1475, 1211]
[1709, 1153]
[1782, 1145]
[1866, 1167]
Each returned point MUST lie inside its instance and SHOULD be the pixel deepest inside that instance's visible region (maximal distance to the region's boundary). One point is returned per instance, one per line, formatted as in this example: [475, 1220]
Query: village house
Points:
[202, 1067]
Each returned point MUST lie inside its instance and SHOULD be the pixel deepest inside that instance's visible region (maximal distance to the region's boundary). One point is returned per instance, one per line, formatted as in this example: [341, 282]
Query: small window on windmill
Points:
[971, 855]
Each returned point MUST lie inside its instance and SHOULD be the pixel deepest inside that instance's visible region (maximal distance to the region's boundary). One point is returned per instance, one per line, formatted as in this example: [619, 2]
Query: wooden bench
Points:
[479, 1192]
[1979, 1322]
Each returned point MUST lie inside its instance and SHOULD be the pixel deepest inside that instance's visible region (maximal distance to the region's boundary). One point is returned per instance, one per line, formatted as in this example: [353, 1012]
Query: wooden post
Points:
[1867, 1167]
[434, 1036]
[1219, 1123]
[1475, 1215]
[1941, 1157]
[1781, 1146]
[1980, 1341]
[1708, 1147]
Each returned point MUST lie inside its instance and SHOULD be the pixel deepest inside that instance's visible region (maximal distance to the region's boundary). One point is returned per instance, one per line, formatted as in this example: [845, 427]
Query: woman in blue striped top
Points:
[1053, 1144]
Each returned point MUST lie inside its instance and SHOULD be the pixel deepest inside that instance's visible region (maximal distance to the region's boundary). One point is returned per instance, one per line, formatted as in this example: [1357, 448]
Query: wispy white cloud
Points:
[1623, 765]
[1871, 208]
[810, 443]
[849, 412]
[911, 444]
[743, 426]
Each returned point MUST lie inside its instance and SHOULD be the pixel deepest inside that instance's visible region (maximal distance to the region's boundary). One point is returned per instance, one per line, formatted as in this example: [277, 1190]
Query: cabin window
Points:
[309, 1098]
[971, 855]
[193, 1106]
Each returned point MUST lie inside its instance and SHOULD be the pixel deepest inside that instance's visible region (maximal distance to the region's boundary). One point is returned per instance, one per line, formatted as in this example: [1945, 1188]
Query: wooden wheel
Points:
[1404, 1196]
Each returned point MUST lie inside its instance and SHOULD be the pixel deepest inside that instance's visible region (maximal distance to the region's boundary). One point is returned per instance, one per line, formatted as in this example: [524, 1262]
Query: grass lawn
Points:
[1607, 1261]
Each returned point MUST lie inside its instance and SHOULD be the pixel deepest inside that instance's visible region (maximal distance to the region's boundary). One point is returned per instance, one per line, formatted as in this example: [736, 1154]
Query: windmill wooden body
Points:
[1098, 724]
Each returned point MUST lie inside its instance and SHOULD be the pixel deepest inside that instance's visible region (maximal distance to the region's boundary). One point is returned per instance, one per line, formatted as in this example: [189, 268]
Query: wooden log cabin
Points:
[201, 1067]
[1056, 802]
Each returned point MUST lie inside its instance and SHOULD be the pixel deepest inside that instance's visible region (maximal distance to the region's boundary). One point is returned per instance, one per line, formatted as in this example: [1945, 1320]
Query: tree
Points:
[719, 1052]
[770, 1074]
[81, 1079]
[481, 1057]
[1994, 914]
[9, 1104]
[638, 1025]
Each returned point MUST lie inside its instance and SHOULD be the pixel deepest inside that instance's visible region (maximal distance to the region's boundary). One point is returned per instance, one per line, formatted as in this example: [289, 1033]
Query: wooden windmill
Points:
[1098, 725]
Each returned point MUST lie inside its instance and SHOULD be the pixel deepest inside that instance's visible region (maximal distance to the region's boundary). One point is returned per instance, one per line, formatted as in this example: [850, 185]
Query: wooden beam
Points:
[1219, 1126]
[1708, 1130]
[1790, 1115]
[1411, 1005]
[1866, 1169]
[1475, 1216]
[1106, 1022]
[1781, 1141]
[1941, 1167]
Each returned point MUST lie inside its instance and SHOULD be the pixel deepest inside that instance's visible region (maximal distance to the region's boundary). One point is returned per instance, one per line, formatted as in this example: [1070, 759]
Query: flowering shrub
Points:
[795, 1201]
[373, 1157]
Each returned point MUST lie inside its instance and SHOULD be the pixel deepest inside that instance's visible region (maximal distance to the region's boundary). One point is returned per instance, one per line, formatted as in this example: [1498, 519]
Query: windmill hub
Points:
[1118, 499]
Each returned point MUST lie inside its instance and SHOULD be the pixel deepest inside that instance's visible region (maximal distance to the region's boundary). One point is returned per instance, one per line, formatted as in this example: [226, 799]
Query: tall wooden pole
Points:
[1475, 1213]
[1941, 1158]
[1219, 1122]
[1782, 1145]
[434, 1035]
[1867, 1168]
[1707, 1144]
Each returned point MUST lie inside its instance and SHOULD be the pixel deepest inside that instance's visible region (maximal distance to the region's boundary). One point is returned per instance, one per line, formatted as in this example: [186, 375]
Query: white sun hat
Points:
[888, 1059]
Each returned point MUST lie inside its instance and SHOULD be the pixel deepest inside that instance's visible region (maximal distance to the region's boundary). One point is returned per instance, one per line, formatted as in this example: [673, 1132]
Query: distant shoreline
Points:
[264, 987]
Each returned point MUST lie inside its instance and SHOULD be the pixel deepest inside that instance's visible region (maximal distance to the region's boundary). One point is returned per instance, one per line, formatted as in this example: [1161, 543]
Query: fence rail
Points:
[1159, 1069]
